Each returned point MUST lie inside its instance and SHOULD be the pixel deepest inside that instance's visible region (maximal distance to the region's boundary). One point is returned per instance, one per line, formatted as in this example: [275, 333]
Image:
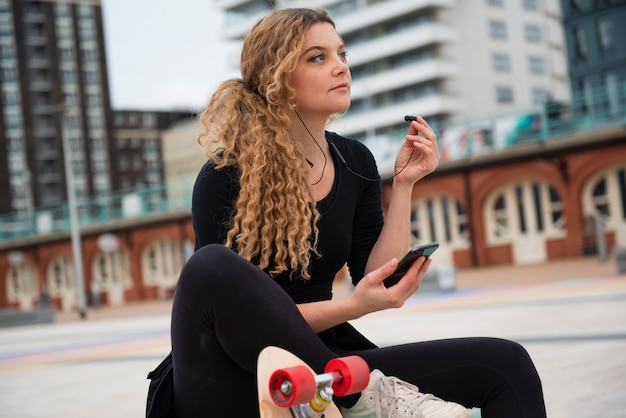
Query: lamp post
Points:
[73, 214]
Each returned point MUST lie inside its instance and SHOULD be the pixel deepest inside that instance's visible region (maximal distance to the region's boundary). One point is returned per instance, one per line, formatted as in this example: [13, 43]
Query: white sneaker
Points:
[389, 397]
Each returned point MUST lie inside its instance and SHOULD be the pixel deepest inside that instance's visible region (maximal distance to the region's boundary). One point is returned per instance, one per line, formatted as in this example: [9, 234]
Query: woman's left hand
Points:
[422, 151]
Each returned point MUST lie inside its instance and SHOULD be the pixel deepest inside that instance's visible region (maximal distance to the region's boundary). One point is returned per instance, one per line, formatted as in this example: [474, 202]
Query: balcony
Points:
[39, 62]
[399, 42]
[394, 114]
[45, 131]
[384, 11]
[408, 75]
[40, 85]
[590, 115]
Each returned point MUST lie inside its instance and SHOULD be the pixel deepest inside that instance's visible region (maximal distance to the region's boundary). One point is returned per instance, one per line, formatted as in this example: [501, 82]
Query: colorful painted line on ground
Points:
[507, 294]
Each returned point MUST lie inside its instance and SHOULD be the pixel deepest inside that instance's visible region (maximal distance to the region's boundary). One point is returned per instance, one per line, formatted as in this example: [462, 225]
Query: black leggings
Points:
[226, 310]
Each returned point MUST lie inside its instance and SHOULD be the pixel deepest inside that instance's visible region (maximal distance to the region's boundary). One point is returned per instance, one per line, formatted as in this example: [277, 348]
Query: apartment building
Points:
[54, 79]
[183, 157]
[596, 52]
[442, 59]
[137, 150]
[54, 86]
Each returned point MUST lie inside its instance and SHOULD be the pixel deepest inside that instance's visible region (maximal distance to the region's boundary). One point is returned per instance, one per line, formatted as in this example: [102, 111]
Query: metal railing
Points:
[586, 111]
[93, 211]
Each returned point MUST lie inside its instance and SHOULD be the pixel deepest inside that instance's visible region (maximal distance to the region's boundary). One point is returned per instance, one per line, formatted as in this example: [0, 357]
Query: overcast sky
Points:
[164, 54]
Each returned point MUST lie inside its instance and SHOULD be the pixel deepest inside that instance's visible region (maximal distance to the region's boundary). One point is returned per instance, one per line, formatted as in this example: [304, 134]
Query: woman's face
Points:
[322, 77]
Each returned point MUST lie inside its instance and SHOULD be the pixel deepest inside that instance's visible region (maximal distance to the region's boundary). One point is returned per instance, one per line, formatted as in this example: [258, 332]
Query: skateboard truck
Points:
[307, 394]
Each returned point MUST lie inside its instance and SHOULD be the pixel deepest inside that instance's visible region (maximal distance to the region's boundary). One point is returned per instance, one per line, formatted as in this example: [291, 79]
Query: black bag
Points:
[160, 402]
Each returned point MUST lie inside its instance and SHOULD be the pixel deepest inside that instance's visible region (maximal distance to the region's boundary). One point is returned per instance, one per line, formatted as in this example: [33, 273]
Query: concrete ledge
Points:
[15, 317]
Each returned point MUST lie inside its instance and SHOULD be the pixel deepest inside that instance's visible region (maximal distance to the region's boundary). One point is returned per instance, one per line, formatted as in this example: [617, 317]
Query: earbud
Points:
[410, 118]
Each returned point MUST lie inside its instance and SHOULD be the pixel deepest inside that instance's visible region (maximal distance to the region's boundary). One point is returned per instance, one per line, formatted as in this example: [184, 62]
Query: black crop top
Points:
[350, 218]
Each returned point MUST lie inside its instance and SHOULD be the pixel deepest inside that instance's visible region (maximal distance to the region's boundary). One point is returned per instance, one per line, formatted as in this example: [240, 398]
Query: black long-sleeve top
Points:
[350, 218]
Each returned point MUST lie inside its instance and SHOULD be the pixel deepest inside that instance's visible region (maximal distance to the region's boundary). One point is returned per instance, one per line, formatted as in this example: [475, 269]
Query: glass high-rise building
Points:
[595, 32]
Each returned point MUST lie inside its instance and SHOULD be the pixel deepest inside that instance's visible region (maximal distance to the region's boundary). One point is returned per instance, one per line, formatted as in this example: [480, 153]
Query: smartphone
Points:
[407, 261]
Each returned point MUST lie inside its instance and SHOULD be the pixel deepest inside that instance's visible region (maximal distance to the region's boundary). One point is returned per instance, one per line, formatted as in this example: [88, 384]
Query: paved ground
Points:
[571, 316]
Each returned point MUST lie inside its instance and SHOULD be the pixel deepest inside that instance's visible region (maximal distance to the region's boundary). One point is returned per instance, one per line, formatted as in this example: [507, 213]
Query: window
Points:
[94, 99]
[497, 29]
[10, 98]
[612, 88]
[110, 269]
[524, 207]
[504, 94]
[60, 275]
[530, 4]
[540, 95]
[7, 51]
[439, 218]
[161, 261]
[13, 121]
[64, 30]
[68, 76]
[70, 99]
[148, 120]
[119, 119]
[62, 9]
[501, 220]
[536, 64]
[495, 2]
[605, 196]
[587, 94]
[66, 54]
[91, 76]
[137, 163]
[600, 198]
[533, 33]
[605, 33]
[89, 55]
[501, 62]
[123, 163]
[87, 32]
[96, 121]
[580, 42]
[84, 10]
[8, 73]
[21, 285]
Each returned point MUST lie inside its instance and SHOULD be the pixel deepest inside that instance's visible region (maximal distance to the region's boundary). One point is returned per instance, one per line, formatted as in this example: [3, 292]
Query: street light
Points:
[73, 214]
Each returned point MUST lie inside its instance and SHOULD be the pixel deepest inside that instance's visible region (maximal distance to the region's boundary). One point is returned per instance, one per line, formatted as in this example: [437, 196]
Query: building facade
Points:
[56, 113]
[561, 195]
[54, 81]
[527, 205]
[595, 32]
[442, 59]
[183, 157]
[137, 151]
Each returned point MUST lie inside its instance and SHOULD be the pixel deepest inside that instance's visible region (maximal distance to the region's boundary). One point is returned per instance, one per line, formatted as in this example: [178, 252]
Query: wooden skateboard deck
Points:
[275, 363]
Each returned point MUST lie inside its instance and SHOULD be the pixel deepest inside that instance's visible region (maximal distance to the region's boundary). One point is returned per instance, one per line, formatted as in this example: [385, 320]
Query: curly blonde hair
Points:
[244, 125]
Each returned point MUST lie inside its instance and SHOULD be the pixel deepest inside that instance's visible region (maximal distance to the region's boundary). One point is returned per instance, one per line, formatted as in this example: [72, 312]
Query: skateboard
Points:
[289, 388]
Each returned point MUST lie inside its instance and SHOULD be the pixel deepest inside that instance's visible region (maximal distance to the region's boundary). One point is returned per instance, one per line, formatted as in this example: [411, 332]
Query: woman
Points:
[277, 214]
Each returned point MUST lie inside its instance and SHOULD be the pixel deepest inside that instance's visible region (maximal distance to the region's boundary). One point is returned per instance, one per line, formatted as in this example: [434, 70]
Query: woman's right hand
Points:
[371, 295]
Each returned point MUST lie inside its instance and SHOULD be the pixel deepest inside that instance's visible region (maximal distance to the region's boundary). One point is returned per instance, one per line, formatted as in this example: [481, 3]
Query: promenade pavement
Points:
[570, 315]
